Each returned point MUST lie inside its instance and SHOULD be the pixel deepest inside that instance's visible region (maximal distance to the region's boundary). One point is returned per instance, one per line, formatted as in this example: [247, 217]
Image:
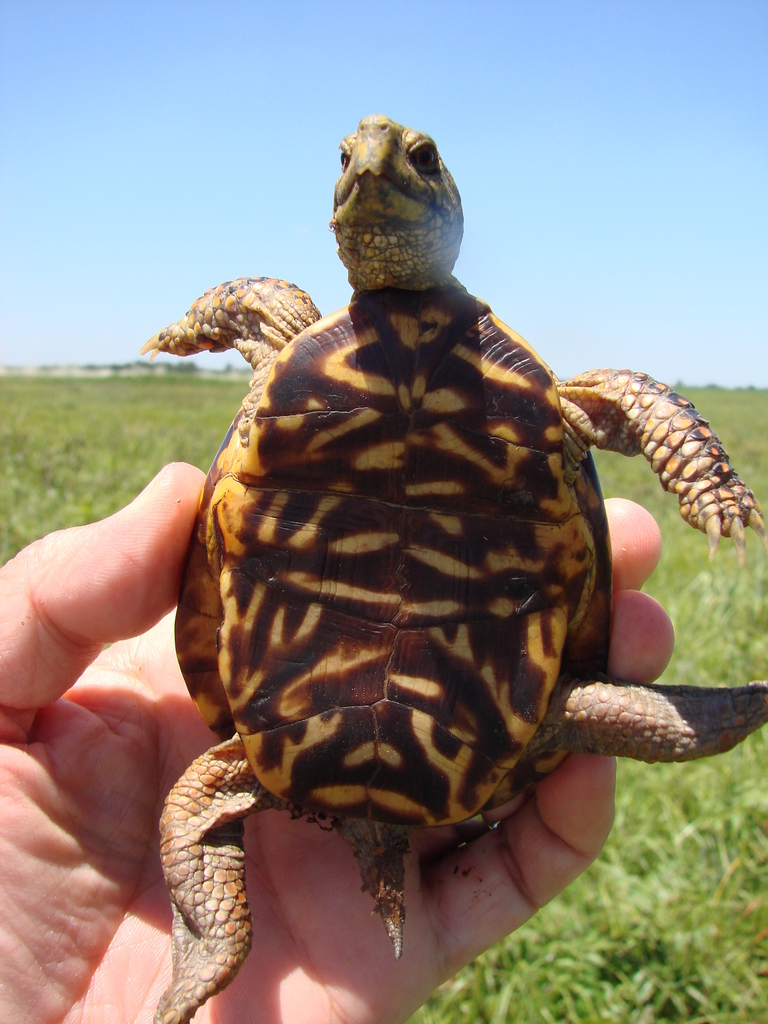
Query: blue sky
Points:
[612, 160]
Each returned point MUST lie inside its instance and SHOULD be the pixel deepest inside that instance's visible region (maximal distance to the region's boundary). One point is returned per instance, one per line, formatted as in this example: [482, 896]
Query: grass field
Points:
[671, 923]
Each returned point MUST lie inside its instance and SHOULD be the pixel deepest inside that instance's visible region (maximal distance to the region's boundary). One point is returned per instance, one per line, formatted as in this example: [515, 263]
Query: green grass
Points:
[76, 449]
[671, 923]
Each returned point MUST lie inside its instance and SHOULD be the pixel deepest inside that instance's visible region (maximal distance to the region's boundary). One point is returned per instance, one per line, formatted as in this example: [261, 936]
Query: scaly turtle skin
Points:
[396, 604]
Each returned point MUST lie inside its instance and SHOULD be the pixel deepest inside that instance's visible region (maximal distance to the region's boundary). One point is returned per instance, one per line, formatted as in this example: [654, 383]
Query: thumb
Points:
[65, 596]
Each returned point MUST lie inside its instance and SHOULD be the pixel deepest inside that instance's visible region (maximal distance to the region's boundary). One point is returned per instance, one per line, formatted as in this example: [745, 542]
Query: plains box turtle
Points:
[396, 603]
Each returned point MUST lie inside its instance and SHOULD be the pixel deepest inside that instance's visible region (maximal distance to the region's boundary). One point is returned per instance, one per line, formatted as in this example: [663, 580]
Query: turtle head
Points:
[396, 210]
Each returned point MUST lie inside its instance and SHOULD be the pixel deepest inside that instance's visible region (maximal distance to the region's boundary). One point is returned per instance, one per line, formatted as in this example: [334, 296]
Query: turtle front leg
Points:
[630, 413]
[258, 316]
[201, 846]
[647, 722]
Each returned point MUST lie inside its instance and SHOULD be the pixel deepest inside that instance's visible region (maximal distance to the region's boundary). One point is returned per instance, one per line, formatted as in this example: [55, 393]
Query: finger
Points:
[642, 638]
[64, 597]
[485, 890]
[635, 543]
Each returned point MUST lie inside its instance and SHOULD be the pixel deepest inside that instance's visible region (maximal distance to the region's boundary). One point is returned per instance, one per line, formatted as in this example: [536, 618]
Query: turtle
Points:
[396, 603]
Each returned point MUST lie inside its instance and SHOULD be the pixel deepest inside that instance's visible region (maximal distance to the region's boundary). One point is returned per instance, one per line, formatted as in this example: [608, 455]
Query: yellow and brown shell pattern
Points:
[393, 568]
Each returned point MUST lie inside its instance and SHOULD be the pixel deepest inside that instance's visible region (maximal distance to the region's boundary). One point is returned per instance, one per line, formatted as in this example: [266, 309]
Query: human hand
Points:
[92, 742]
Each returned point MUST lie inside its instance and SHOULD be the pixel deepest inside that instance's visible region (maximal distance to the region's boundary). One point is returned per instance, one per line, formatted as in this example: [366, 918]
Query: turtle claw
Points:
[152, 346]
[739, 541]
[757, 523]
[713, 534]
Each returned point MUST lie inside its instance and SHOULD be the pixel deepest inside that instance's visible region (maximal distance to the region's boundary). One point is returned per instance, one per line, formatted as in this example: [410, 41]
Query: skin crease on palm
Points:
[92, 741]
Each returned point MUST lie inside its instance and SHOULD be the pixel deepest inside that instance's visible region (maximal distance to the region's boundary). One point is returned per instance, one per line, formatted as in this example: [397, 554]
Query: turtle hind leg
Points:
[648, 722]
[380, 848]
[201, 846]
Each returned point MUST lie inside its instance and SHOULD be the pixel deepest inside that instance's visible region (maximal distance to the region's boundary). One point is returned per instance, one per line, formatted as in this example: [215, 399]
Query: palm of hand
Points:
[85, 928]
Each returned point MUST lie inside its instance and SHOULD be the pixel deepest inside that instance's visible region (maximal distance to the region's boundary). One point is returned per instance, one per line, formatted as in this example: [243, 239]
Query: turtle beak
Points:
[376, 151]
[378, 143]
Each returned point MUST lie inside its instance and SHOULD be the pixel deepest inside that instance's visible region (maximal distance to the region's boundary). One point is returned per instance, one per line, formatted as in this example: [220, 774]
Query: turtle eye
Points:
[424, 158]
[345, 158]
